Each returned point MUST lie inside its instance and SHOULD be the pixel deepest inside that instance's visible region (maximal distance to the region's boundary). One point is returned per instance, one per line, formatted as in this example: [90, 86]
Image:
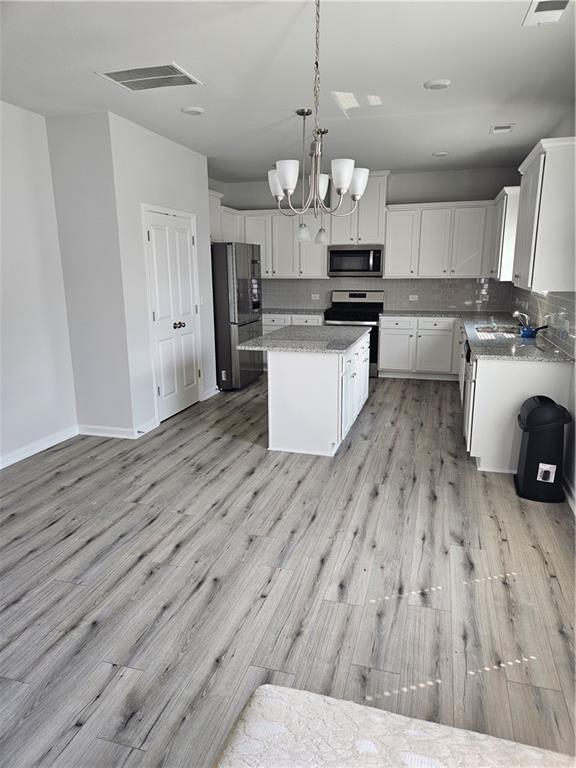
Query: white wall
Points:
[153, 170]
[37, 392]
[409, 187]
[81, 158]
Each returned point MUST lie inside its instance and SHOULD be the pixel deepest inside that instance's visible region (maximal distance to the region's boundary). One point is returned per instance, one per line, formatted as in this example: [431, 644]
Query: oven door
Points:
[355, 261]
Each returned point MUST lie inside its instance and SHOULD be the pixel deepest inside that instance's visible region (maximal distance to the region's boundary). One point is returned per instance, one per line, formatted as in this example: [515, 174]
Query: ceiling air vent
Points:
[144, 78]
[544, 12]
[502, 128]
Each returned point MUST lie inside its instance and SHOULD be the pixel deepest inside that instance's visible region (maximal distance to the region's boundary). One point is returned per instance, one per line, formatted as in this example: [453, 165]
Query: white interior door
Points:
[172, 255]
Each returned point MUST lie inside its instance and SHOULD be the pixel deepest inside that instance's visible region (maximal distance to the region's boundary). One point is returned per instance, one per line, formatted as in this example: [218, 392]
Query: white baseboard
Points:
[209, 393]
[147, 427]
[97, 431]
[410, 375]
[39, 445]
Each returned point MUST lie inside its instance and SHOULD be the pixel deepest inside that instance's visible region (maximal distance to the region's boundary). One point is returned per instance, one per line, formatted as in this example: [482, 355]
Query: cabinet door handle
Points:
[516, 276]
[444, 270]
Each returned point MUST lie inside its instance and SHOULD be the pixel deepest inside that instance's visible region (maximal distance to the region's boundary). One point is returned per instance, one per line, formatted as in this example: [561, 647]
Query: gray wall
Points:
[410, 187]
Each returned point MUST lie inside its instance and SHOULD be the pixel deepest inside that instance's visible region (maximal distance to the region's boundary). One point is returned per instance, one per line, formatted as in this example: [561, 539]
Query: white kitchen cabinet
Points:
[215, 214]
[284, 250]
[435, 241]
[527, 222]
[312, 258]
[367, 223]
[413, 345]
[467, 241]
[232, 226]
[493, 401]
[396, 349]
[402, 243]
[355, 382]
[258, 230]
[307, 319]
[500, 235]
[434, 351]
[544, 251]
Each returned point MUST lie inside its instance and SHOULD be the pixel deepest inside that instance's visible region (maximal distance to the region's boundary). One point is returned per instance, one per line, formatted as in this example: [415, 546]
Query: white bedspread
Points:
[287, 728]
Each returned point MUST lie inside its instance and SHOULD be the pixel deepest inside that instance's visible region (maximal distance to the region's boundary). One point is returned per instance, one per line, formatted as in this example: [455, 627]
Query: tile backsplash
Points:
[463, 294]
[553, 309]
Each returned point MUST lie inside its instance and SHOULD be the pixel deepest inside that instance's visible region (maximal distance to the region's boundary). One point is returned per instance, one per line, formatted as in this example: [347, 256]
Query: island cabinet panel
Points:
[314, 398]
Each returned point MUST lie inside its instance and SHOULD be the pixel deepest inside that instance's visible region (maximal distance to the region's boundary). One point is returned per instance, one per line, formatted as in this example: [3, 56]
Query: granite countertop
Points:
[324, 339]
[537, 350]
[293, 312]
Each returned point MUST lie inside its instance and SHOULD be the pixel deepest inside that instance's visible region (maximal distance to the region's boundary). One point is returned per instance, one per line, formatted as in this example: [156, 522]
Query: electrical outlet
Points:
[413, 297]
[315, 297]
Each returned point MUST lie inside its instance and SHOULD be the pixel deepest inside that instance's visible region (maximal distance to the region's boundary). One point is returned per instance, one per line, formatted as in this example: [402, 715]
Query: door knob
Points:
[175, 325]
[182, 325]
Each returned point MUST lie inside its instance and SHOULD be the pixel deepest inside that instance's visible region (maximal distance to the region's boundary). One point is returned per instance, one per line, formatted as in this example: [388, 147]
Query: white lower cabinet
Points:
[355, 383]
[434, 351]
[416, 345]
[494, 393]
[396, 350]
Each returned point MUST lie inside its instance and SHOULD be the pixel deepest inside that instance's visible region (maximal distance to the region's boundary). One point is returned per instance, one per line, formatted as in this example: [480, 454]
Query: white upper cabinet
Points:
[367, 223]
[215, 213]
[402, 241]
[284, 247]
[371, 213]
[544, 253]
[435, 241]
[258, 230]
[232, 226]
[342, 231]
[500, 235]
[468, 242]
[312, 258]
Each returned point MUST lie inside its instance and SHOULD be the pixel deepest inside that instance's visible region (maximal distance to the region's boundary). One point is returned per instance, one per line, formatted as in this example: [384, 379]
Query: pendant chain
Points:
[317, 69]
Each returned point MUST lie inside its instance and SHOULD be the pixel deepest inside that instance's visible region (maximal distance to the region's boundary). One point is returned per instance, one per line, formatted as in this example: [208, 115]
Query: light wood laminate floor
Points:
[147, 587]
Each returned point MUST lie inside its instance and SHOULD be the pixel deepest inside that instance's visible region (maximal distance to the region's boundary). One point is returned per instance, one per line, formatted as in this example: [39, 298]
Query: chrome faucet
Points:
[522, 317]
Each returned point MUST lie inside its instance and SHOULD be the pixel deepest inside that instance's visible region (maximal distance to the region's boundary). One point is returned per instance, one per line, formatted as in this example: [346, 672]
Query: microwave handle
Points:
[371, 262]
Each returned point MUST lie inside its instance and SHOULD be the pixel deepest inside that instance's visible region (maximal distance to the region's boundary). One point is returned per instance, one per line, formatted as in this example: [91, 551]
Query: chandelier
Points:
[283, 179]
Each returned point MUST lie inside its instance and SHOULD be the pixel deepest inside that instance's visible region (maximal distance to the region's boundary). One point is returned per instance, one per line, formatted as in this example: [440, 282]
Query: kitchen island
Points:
[317, 385]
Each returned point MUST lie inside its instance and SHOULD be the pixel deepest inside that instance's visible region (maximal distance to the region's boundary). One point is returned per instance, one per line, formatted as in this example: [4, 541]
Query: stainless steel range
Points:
[358, 308]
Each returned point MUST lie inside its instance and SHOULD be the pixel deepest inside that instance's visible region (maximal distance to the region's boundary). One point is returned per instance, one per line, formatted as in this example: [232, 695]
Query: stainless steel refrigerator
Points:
[237, 312]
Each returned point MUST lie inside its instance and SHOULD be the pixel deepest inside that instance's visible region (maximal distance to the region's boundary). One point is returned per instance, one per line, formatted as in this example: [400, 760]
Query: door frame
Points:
[146, 208]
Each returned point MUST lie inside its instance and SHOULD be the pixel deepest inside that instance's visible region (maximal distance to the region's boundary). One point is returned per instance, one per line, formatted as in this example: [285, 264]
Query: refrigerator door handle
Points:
[232, 284]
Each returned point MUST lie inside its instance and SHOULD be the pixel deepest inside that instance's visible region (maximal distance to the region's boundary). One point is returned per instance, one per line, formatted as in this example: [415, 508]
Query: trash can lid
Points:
[541, 412]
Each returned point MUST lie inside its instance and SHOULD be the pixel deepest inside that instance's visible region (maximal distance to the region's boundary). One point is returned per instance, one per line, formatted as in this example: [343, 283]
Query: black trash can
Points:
[540, 473]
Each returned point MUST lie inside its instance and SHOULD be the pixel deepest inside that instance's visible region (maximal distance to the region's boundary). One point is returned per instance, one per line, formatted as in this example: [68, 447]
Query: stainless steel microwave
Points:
[355, 260]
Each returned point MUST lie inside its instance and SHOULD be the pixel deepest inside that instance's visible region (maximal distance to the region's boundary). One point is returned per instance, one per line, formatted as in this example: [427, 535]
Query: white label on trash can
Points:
[546, 473]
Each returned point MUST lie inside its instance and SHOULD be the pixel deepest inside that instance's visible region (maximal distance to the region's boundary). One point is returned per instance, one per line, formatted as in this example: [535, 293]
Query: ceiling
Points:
[255, 60]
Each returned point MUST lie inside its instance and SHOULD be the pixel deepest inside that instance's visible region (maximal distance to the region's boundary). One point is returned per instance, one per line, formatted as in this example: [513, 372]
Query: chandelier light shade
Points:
[358, 183]
[275, 186]
[283, 179]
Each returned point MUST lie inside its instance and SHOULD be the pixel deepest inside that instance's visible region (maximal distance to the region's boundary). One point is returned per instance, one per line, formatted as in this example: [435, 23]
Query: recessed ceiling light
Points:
[193, 110]
[439, 154]
[436, 85]
[502, 128]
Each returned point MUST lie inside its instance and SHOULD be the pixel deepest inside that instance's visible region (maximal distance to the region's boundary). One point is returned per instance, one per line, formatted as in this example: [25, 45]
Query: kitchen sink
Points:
[487, 332]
